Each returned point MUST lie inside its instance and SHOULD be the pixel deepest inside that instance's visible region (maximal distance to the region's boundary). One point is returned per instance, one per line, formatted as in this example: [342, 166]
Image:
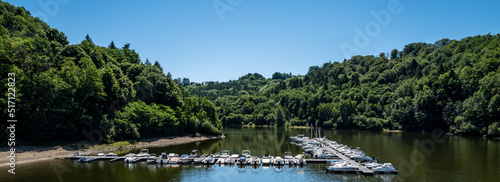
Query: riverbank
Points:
[26, 154]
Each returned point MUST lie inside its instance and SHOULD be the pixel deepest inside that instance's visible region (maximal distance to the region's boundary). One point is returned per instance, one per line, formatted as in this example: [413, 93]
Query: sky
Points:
[222, 40]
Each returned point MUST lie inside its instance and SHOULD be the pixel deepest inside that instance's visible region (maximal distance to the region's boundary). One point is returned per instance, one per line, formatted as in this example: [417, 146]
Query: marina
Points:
[349, 160]
[337, 157]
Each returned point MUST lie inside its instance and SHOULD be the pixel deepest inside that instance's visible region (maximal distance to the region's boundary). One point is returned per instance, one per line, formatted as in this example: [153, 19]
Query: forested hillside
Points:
[451, 84]
[65, 92]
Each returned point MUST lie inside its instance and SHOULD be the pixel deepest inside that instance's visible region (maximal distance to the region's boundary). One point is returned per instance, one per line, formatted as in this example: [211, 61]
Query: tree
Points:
[87, 38]
[147, 62]
[112, 45]
[157, 64]
[126, 46]
[394, 54]
[185, 82]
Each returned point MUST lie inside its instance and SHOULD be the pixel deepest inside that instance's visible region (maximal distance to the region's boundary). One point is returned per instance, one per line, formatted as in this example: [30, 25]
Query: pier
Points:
[361, 168]
[339, 157]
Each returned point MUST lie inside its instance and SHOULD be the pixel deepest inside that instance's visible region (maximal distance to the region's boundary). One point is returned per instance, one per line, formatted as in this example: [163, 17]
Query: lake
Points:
[419, 157]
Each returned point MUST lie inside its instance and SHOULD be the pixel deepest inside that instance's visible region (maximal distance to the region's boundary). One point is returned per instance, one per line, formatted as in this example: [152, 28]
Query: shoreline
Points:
[27, 154]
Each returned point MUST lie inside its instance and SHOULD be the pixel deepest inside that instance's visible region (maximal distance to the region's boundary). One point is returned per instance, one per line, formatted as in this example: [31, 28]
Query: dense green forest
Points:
[68, 92]
[450, 84]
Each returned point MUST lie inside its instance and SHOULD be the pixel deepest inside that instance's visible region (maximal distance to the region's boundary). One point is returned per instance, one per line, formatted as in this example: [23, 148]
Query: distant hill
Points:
[451, 84]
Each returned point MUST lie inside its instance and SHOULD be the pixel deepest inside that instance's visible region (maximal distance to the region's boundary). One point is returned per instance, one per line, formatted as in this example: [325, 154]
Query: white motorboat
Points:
[143, 153]
[209, 160]
[131, 159]
[300, 160]
[86, 159]
[385, 168]
[341, 166]
[266, 160]
[297, 138]
[289, 159]
[278, 161]
[200, 159]
[111, 155]
[246, 153]
[371, 165]
[195, 154]
[254, 160]
[170, 155]
[360, 158]
[235, 156]
[225, 154]
[322, 153]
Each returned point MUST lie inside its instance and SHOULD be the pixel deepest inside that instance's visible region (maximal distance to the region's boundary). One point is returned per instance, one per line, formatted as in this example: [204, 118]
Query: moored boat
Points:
[341, 166]
[266, 160]
[385, 168]
[278, 161]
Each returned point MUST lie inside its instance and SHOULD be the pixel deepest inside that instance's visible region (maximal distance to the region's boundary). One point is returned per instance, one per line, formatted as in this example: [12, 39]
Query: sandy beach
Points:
[25, 154]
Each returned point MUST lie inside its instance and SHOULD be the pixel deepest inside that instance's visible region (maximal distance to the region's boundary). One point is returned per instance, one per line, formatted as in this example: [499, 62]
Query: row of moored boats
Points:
[322, 148]
[222, 158]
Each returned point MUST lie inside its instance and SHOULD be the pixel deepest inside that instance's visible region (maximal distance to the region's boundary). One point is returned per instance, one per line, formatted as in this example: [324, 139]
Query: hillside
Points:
[450, 84]
[89, 92]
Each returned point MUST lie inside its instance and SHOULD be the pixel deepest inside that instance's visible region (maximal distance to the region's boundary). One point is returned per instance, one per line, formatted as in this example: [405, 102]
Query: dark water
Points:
[419, 157]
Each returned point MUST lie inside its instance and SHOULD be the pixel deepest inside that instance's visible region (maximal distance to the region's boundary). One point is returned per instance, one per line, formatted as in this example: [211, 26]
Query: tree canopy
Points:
[65, 92]
[450, 84]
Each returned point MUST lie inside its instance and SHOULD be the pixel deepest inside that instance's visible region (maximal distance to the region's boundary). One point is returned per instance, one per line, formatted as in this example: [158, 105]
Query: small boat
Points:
[254, 161]
[278, 161]
[143, 153]
[209, 160]
[198, 160]
[151, 159]
[246, 153]
[266, 160]
[184, 159]
[300, 160]
[101, 155]
[86, 159]
[341, 166]
[131, 159]
[225, 154]
[371, 165]
[242, 161]
[360, 158]
[194, 154]
[170, 155]
[385, 168]
[297, 138]
[289, 159]
[235, 156]
[130, 155]
[174, 160]
[111, 155]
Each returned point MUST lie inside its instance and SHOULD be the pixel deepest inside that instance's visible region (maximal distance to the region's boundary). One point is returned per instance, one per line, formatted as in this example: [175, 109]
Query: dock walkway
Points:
[361, 168]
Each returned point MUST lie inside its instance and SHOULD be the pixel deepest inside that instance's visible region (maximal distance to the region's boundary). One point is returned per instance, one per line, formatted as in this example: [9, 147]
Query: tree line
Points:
[450, 84]
[66, 90]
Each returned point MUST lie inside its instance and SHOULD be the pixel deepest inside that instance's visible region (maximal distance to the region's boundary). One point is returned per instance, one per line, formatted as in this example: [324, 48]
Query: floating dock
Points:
[361, 168]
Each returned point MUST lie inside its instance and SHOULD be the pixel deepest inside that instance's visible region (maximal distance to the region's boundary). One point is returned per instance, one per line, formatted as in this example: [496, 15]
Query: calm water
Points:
[420, 157]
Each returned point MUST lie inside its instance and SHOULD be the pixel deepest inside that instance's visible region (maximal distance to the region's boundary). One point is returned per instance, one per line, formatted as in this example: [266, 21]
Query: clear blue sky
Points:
[191, 40]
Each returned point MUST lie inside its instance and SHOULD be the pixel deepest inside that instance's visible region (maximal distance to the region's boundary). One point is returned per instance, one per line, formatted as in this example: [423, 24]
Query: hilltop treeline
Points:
[450, 84]
[68, 92]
